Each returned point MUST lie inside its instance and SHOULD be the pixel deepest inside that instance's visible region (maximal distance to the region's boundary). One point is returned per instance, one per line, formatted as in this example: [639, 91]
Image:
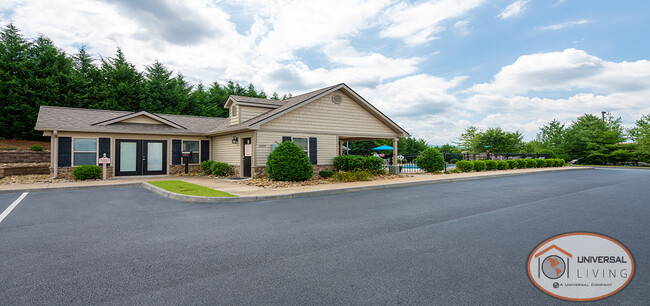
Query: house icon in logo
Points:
[553, 266]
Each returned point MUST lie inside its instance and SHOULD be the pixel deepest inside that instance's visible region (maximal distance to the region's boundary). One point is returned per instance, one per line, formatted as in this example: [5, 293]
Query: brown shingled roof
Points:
[85, 120]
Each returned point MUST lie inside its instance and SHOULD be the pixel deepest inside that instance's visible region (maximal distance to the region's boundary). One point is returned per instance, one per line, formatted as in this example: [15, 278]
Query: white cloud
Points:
[417, 24]
[515, 9]
[559, 26]
[568, 70]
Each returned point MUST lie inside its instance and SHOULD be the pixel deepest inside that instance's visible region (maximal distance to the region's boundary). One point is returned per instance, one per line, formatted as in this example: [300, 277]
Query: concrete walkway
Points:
[246, 190]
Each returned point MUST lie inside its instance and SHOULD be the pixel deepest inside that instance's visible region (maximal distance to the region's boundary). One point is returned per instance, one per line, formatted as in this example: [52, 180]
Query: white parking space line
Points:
[12, 206]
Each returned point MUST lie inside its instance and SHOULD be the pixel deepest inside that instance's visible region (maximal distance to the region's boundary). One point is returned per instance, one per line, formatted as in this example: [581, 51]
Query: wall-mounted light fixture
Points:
[235, 140]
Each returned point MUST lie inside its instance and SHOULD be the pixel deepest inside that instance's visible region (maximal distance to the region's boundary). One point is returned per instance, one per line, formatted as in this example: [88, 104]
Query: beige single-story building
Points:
[142, 143]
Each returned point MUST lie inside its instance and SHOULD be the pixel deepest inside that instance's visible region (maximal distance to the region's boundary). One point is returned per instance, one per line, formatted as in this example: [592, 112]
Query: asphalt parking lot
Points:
[447, 243]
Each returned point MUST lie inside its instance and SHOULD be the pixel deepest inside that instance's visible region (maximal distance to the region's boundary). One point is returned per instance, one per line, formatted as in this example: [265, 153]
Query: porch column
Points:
[395, 150]
[54, 151]
[341, 147]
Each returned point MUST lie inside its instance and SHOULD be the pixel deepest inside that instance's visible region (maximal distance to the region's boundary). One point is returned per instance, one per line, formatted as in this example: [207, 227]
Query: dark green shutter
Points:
[313, 150]
[286, 138]
[65, 151]
[205, 150]
[176, 151]
[104, 147]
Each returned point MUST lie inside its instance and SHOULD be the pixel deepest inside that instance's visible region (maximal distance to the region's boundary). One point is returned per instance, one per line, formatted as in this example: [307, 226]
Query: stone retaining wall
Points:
[24, 157]
[10, 171]
[66, 173]
[177, 169]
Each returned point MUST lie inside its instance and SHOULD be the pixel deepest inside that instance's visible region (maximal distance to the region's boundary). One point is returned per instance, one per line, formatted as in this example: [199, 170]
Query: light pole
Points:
[603, 113]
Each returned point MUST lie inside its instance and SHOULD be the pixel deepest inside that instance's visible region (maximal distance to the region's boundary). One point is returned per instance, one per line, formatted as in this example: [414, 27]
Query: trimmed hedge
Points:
[206, 166]
[521, 163]
[219, 169]
[512, 164]
[453, 161]
[356, 162]
[502, 165]
[430, 160]
[490, 164]
[288, 162]
[540, 163]
[326, 173]
[479, 165]
[530, 163]
[87, 172]
[352, 176]
[464, 165]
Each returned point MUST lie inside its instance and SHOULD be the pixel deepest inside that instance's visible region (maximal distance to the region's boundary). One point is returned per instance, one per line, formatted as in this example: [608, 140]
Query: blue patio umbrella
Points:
[383, 148]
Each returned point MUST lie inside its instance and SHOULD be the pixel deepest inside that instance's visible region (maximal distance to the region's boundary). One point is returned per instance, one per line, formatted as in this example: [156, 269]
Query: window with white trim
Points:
[303, 143]
[192, 146]
[84, 151]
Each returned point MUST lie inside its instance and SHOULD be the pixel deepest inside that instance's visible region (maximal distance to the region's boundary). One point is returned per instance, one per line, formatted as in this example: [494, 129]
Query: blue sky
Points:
[436, 67]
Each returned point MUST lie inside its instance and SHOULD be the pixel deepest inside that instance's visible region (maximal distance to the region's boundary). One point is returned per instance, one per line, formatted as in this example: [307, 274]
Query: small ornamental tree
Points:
[288, 162]
[430, 160]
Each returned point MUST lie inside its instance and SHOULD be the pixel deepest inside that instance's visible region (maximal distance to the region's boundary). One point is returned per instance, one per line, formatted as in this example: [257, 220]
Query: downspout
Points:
[55, 153]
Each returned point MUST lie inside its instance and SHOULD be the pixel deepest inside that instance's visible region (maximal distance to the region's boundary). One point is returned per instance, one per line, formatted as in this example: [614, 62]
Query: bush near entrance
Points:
[219, 169]
[288, 162]
[430, 160]
[88, 172]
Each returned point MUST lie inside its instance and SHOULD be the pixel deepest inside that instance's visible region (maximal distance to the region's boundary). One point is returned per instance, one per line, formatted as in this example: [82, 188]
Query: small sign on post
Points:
[104, 161]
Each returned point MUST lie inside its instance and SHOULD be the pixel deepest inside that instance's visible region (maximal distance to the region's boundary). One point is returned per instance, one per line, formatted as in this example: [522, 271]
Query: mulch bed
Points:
[269, 183]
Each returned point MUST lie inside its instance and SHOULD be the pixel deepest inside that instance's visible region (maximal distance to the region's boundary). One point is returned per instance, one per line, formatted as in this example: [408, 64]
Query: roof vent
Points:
[337, 99]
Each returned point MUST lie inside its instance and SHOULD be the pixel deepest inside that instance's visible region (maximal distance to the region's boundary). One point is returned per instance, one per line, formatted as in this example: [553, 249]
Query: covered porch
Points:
[343, 139]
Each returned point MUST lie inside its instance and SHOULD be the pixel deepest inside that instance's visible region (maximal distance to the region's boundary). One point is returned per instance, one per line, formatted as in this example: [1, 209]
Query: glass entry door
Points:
[140, 157]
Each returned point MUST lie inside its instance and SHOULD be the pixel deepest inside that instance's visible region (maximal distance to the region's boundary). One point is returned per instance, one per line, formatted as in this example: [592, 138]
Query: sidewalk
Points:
[254, 191]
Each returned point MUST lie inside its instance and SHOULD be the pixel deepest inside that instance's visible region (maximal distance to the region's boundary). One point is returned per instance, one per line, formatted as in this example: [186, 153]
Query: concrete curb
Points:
[195, 199]
[137, 184]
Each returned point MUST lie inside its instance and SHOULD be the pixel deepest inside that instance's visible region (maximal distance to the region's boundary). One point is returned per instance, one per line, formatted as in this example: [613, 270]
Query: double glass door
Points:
[140, 157]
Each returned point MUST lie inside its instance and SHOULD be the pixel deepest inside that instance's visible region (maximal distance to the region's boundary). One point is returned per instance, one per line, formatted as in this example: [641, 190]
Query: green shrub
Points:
[219, 169]
[550, 162]
[490, 164]
[430, 160]
[453, 161]
[557, 162]
[352, 176]
[549, 152]
[541, 163]
[502, 165]
[521, 163]
[465, 166]
[372, 163]
[512, 163]
[530, 163]
[87, 172]
[325, 173]
[36, 147]
[288, 162]
[206, 166]
[348, 162]
[479, 165]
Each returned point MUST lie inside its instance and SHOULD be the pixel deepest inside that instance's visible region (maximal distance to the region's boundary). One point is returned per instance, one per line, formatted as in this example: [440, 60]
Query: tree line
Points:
[34, 72]
[589, 139]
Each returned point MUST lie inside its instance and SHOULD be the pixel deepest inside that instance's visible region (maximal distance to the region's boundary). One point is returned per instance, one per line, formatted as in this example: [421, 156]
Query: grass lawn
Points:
[186, 188]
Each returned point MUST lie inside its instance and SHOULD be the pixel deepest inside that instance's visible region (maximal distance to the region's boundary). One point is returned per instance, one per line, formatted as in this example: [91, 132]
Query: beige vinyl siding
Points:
[323, 115]
[248, 112]
[223, 150]
[326, 145]
[142, 119]
[233, 115]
